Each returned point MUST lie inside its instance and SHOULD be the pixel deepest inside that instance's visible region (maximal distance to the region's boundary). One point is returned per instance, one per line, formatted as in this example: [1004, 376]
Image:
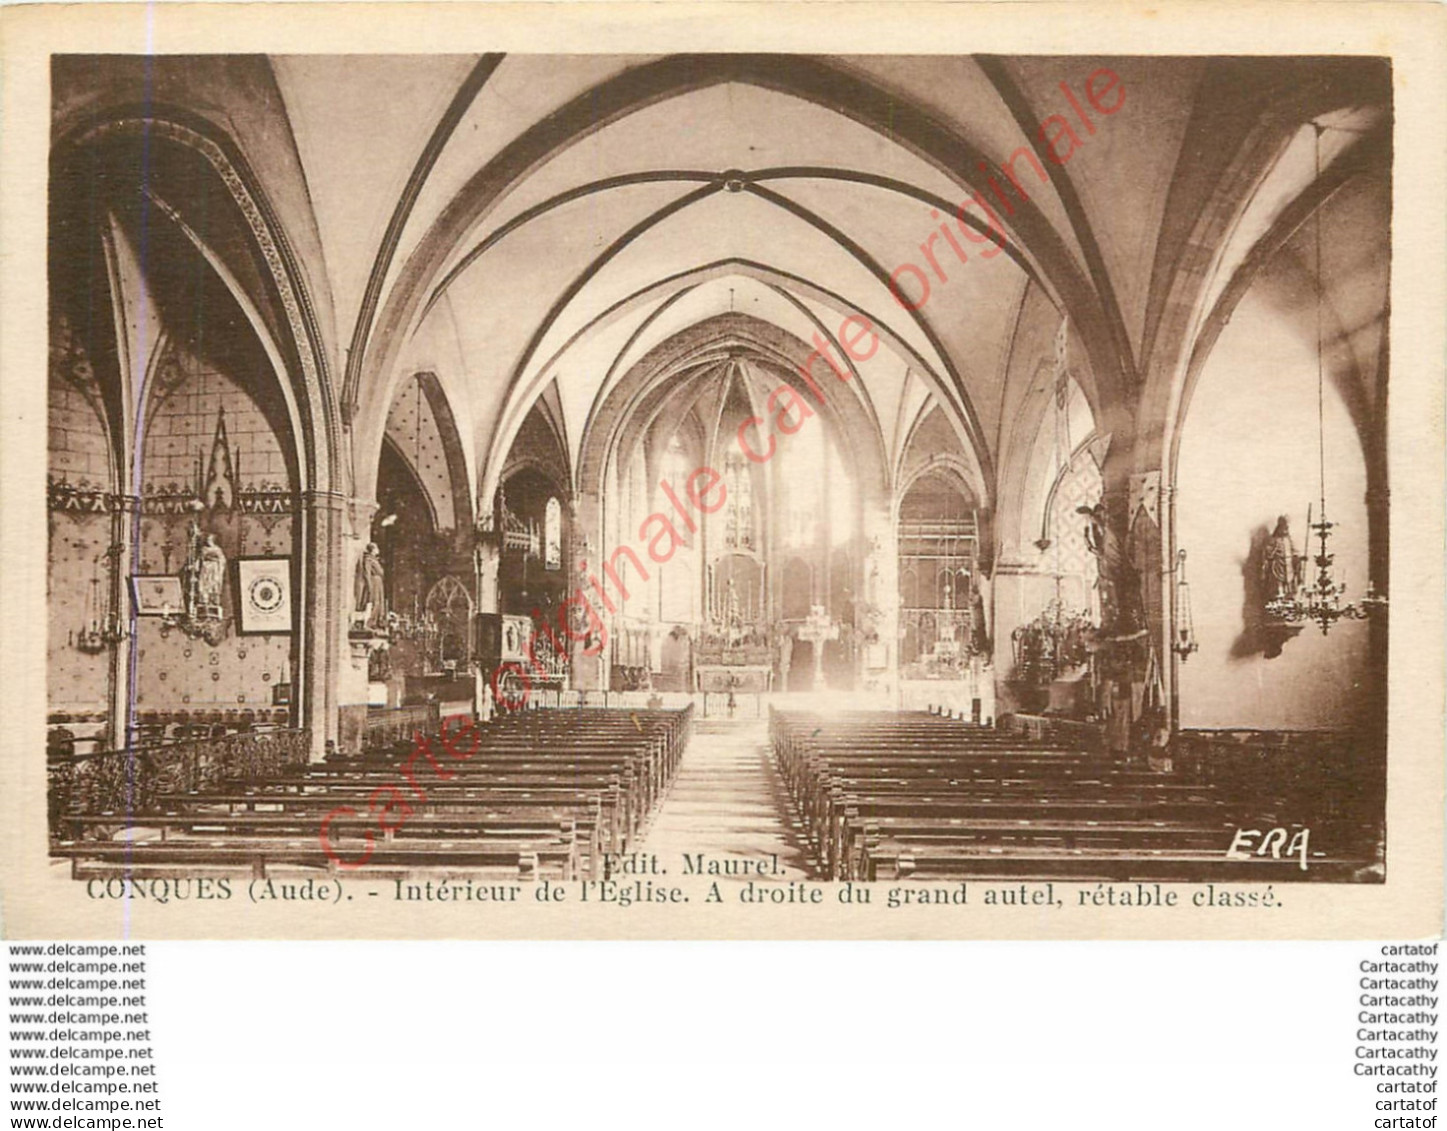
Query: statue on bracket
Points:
[203, 578]
[979, 632]
[1280, 565]
[1121, 610]
[210, 577]
[370, 593]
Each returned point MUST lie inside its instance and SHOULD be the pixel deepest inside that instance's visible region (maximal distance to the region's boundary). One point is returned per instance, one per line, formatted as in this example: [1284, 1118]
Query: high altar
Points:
[736, 652]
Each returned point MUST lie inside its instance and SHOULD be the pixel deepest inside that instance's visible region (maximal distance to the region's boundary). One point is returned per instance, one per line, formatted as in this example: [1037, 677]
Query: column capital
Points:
[323, 500]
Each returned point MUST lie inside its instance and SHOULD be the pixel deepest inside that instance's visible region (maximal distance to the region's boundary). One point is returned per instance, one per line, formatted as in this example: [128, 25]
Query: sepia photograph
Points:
[692, 481]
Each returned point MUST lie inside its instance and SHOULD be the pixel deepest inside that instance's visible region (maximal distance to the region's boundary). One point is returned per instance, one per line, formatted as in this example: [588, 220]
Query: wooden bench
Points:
[922, 796]
[537, 793]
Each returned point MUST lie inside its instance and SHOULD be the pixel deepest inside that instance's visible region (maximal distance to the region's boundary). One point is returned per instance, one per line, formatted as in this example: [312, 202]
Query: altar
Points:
[735, 653]
[753, 678]
[969, 695]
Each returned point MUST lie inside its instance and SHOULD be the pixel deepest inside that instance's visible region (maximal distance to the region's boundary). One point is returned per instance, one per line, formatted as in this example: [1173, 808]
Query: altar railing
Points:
[386, 727]
[131, 780]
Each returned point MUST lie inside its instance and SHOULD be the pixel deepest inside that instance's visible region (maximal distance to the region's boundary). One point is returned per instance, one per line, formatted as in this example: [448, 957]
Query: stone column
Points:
[590, 673]
[321, 626]
[1379, 573]
[1170, 577]
[354, 526]
[486, 560]
[118, 708]
[1018, 591]
[1124, 641]
[881, 591]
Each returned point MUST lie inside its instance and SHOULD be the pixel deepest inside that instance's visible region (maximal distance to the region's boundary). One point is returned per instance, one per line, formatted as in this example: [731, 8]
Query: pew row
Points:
[923, 796]
[537, 794]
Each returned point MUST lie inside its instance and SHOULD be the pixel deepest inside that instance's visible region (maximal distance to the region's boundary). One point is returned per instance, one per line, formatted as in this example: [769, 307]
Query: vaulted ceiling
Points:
[527, 227]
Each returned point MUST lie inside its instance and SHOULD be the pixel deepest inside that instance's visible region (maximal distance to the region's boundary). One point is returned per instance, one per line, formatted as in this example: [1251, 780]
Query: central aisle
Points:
[728, 801]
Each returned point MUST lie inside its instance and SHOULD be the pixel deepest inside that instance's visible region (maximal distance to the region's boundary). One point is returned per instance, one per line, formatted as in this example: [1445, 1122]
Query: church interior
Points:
[900, 467]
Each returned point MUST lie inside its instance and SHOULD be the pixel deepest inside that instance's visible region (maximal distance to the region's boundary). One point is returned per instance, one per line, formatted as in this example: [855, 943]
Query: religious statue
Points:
[370, 596]
[1280, 565]
[486, 562]
[379, 664]
[191, 570]
[1119, 582]
[211, 576]
[732, 616]
[203, 574]
[979, 633]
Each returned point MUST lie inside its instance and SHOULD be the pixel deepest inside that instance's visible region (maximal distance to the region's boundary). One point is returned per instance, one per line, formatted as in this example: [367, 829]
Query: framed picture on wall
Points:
[263, 590]
[156, 595]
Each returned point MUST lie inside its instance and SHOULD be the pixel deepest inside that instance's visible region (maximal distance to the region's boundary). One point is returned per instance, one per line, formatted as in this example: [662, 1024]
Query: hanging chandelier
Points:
[1321, 599]
[102, 626]
[1184, 641]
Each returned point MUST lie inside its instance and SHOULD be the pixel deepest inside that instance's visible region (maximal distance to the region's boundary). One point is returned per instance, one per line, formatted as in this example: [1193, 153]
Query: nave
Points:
[586, 431]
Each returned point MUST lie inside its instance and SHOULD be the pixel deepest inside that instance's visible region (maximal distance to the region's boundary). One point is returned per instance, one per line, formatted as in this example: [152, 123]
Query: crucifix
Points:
[817, 629]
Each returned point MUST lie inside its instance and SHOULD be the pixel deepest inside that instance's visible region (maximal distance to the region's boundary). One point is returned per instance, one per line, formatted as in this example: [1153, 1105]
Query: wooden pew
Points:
[923, 796]
[544, 792]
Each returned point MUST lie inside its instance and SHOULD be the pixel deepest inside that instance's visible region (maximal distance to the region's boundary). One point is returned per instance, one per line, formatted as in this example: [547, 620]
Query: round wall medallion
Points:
[266, 594]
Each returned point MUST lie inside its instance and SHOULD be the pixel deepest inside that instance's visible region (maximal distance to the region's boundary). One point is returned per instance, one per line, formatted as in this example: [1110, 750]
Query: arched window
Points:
[739, 499]
[450, 607]
[553, 535]
[679, 588]
[675, 467]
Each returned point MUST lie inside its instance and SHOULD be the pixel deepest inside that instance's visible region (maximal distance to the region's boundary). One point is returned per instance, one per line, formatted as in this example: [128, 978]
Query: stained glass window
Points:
[553, 535]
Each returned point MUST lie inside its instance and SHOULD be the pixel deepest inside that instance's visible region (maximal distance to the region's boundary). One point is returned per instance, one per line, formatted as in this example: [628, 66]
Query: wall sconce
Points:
[1183, 641]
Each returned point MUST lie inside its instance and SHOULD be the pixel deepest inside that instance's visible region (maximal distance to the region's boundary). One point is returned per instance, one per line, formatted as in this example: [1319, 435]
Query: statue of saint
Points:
[1118, 580]
[732, 617]
[979, 634]
[1280, 566]
[210, 577]
[191, 570]
[369, 587]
